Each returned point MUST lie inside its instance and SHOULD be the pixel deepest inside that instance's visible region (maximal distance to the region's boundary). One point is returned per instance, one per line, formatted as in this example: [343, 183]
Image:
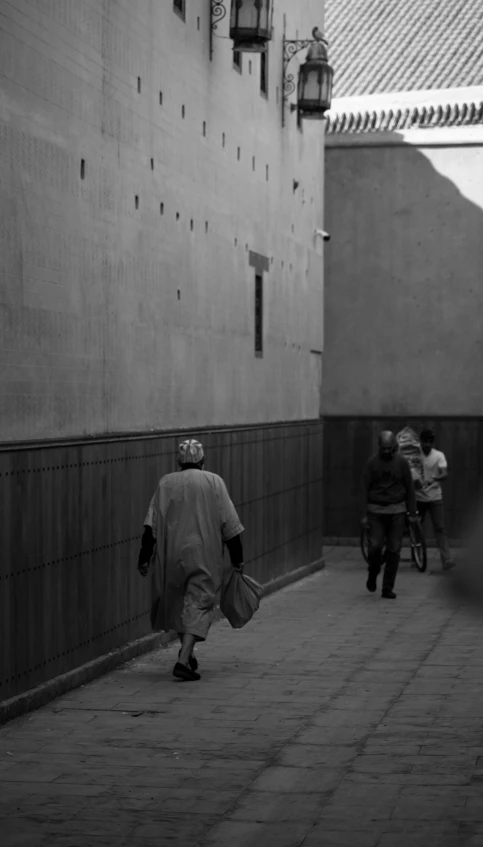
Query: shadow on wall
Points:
[403, 314]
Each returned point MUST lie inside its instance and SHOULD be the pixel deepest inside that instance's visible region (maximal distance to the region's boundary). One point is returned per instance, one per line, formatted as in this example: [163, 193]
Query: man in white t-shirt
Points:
[429, 495]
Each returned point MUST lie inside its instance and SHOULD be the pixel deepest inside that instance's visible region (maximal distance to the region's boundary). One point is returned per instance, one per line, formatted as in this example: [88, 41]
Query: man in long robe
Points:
[189, 519]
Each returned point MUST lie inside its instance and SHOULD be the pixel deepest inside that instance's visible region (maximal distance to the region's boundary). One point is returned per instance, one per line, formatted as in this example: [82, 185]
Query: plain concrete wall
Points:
[403, 281]
[114, 318]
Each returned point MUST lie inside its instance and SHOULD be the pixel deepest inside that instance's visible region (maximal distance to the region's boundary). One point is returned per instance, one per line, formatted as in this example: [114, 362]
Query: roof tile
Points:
[404, 45]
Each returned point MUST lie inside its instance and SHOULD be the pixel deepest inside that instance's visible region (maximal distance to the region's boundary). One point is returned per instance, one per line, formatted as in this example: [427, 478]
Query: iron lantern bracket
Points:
[218, 12]
[290, 49]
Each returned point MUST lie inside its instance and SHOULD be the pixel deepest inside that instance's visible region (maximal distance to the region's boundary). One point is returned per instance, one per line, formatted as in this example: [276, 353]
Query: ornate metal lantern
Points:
[315, 82]
[251, 25]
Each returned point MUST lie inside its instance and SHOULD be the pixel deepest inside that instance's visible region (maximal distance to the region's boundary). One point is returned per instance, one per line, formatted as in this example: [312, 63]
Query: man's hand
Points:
[239, 568]
[143, 567]
[148, 546]
[365, 522]
[413, 519]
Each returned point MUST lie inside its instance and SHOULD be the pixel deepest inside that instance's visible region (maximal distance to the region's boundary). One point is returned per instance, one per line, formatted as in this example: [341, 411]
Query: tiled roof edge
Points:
[431, 116]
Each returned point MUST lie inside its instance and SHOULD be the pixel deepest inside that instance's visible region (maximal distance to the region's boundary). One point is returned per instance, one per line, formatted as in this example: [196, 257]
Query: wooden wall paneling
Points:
[114, 509]
[276, 458]
[153, 467]
[22, 597]
[126, 554]
[269, 488]
[8, 551]
[90, 503]
[258, 499]
[69, 474]
[125, 484]
[312, 493]
[294, 493]
[235, 481]
[49, 554]
[225, 463]
[319, 437]
[314, 502]
[36, 565]
[60, 482]
[74, 459]
[281, 520]
[242, 465]
[306, 492]
[217, 450]
[291, 496]
[96, 566]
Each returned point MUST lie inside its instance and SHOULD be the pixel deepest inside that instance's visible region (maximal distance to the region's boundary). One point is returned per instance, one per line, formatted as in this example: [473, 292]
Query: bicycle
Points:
[419, 553]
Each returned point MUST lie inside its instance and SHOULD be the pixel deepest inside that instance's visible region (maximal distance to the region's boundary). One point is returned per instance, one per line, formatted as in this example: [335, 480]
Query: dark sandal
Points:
[182, 672]
[192, 661]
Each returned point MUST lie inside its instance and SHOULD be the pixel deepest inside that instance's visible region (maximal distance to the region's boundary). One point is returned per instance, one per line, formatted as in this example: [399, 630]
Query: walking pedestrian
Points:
[388, 492]
[429, 495]
[189, 519]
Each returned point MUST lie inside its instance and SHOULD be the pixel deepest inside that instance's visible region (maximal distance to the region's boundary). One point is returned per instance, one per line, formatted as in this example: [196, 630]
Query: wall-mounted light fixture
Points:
[314, 93]
[250, 24]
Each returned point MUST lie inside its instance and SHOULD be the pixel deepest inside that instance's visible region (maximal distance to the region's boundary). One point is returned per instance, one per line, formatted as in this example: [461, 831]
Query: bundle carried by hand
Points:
[240, 598]
[410, 447]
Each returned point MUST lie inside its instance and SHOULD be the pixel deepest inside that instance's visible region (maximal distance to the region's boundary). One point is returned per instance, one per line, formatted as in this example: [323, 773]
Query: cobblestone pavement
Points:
[335, 719]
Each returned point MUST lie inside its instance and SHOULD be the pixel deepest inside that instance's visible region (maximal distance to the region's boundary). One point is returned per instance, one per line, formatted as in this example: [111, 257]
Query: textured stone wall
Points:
[136, 176]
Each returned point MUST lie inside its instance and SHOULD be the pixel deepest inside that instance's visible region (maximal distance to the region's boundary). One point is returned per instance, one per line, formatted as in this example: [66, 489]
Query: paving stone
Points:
[321, 836]
[273, 806]
[187, 830]
[307, 780]
[313, 755]
[417, 838]
[250, 834]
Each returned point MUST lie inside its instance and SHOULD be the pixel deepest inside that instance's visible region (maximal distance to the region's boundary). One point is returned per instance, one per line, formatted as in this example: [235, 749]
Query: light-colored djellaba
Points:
[191, 514]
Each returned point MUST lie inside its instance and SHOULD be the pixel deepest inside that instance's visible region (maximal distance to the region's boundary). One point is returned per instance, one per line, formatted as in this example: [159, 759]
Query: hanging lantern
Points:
[315, 83]
[251, 25]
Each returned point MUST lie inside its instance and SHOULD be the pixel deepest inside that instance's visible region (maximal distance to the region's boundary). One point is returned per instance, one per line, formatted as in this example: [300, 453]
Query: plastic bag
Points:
[240, 598]
[410, 448]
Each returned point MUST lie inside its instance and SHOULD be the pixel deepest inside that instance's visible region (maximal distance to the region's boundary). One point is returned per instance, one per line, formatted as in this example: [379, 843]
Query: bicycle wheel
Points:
[418, 547]
[365, 543]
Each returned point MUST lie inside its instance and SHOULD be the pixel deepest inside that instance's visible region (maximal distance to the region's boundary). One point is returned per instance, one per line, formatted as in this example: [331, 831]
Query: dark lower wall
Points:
[71, 520]
[348, 443]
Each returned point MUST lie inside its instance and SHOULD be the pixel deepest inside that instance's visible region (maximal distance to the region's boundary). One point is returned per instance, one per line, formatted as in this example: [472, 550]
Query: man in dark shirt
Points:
[388, 496]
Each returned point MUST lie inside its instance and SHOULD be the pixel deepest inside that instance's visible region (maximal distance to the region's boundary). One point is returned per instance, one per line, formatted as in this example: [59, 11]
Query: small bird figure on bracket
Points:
[318, 35]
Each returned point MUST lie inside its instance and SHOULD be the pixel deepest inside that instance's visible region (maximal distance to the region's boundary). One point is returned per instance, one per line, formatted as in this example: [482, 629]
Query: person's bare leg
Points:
[188, 641]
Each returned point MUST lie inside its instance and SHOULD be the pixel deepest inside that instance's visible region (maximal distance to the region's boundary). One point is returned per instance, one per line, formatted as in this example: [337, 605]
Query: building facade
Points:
[139, 178]
[160, 274]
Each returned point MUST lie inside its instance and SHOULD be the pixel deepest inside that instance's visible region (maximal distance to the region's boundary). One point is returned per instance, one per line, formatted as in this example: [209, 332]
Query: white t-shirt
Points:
[432, 463]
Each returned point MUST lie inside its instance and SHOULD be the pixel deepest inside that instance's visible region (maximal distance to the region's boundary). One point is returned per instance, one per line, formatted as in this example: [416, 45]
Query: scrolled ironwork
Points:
[218, 12]
[290, 49]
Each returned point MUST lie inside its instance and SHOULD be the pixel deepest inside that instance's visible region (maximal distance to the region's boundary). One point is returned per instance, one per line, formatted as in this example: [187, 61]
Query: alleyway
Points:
[335, 719]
